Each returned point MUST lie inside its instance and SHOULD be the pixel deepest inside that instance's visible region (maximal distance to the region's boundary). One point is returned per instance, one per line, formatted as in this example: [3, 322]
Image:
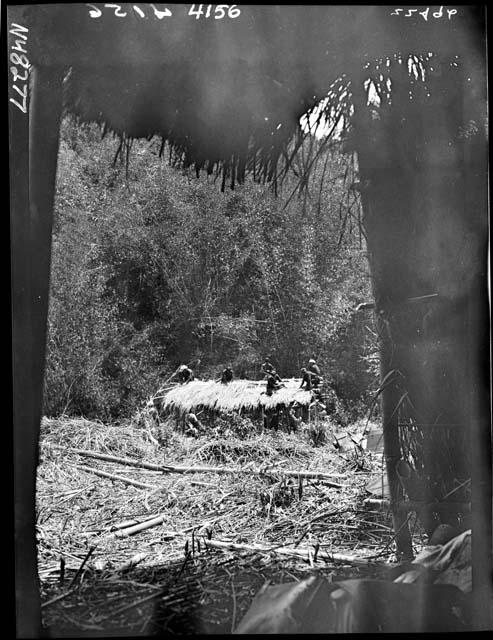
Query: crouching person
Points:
[193, 426]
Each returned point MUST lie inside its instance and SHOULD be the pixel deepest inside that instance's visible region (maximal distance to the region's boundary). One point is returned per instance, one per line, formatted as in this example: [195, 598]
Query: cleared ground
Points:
[179, 576]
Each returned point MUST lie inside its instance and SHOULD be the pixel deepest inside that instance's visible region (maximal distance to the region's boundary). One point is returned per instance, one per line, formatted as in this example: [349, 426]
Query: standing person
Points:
[185, 374]
[313, 367]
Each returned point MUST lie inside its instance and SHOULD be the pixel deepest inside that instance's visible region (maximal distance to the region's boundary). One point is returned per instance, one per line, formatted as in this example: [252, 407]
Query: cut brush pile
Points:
[137, 538]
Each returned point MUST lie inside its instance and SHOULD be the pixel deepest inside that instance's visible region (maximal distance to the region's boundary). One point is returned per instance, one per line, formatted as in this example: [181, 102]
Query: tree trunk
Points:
[34, 145]
[423, 184]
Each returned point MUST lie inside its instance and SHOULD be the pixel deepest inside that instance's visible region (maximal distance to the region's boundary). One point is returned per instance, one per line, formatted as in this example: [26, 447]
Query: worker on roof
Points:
[273, 382]
[306, 379]
[227, 375]
[313, 367]
[267, 366]
[185, 374]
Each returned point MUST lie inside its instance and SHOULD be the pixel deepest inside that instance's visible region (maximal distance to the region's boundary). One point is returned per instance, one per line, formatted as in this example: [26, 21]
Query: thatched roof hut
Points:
[248, 395]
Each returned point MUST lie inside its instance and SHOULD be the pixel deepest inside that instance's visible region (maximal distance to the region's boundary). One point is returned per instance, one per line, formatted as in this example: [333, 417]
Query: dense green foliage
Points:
[152, 267]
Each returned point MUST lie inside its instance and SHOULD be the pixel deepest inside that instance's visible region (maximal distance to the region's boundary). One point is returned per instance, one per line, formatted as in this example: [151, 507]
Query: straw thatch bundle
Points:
[248, 395]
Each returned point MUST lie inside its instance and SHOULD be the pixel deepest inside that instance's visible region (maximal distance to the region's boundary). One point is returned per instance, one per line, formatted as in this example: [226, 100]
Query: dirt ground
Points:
[97, 581]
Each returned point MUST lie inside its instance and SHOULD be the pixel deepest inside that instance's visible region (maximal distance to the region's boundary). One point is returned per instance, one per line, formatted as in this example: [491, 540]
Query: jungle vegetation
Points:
[152, 267]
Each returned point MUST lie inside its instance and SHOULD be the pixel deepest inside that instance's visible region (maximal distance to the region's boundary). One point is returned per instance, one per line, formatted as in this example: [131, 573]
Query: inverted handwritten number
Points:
[425, 13]
[196, 12]
[118, 10]
[22, 107]
[94, 12]
[220, 8]
[17, 76]
[161, 14]
[396, 12]
[451, 12]
[410, 12]
[22, 92]
[438, 14]
[20, 60]
[138, 10]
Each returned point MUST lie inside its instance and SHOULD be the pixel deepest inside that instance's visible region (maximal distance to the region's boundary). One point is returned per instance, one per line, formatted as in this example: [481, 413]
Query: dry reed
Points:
[134, 584]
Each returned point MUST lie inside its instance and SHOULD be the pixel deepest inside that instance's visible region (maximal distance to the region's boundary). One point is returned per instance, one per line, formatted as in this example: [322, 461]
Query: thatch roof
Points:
[238, 394]
[226, 95]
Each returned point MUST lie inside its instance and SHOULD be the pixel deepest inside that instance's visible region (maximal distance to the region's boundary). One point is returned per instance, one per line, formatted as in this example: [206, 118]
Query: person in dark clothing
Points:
[306, 379]
[314, 370]
[227, 375]
[267, 366]
[185, 374]
[273, 383]
[293, 420]
[313, 367]
[192, 425]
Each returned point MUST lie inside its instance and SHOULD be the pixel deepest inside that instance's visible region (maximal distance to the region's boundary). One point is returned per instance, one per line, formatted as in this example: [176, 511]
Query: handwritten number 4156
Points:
[219, 11]
[425, 13]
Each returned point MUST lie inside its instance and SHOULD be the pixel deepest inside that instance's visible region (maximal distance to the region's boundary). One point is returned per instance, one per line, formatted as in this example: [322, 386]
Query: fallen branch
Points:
[142, 526]
[317, 475]
[104, 474]
[154, 522]
[130, 523]
[134, 560]
[264, 471]
[304, 553]
[131, 462]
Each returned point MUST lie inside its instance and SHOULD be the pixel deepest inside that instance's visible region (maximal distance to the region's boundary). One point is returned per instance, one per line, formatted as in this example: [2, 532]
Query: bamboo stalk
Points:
[302, 553]
[130, 523]
[134, 560]
[317, 475]
[131, 462]
[154, 522]
[142, 526]
[259, 472]
[104, 474]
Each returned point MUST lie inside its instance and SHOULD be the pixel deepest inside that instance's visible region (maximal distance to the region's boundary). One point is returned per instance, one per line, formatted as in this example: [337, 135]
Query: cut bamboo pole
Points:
[208, 469]
[129, 531]
[154, 522]
[104, 474]
[131, 462]
[317, 475]
[303, 553]
[134, 560]
[131, 523]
